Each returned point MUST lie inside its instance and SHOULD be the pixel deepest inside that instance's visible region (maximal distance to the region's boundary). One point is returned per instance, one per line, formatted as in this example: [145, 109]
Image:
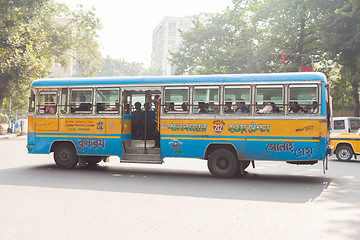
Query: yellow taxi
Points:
[345, 145]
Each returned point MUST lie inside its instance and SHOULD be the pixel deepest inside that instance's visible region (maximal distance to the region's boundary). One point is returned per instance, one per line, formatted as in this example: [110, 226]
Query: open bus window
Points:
[237, 99]
[81, 100]
[303, 99]
[206, 99]
[47, 102]
[107, 100]
[64, 100]
[176, 100]
[32, 102]
[269, 99]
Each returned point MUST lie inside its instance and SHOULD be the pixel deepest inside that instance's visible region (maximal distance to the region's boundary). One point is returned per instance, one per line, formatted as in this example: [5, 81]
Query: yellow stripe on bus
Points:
[77, 136]
[198, 138]
[240, 139]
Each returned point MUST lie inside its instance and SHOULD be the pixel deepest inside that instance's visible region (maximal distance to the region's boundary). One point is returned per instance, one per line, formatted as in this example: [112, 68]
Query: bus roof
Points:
[183, 79]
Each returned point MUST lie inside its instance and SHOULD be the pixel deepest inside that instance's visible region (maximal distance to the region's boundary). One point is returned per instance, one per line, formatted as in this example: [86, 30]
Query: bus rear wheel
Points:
[223, 163]
[65, 155]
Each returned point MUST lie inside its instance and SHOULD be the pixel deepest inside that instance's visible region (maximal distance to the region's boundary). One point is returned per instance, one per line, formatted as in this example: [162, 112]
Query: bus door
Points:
[140, 114]
[138, 124]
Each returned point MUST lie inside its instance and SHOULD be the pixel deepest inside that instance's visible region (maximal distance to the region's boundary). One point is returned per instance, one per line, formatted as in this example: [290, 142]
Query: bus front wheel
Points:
[223, 163]
[65, 155]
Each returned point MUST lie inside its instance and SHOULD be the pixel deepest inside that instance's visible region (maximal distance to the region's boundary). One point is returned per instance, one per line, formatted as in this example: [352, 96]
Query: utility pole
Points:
[9, 128]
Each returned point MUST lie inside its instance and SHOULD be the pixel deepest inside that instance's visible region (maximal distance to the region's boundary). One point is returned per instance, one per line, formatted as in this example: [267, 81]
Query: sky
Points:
[128, 25]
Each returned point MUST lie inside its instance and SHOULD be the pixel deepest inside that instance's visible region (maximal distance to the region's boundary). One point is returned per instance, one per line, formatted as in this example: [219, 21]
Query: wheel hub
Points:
[222, 163]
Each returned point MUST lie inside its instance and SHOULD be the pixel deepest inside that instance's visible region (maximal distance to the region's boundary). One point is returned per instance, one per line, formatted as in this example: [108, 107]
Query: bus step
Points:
[139, 143]
[141, 158]
[133, 150]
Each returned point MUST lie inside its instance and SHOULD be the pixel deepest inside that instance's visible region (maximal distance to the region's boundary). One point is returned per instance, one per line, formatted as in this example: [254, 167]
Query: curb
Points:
[9, 136]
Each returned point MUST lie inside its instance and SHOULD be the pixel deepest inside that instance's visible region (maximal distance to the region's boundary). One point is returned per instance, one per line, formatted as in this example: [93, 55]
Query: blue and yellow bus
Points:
[228, 120]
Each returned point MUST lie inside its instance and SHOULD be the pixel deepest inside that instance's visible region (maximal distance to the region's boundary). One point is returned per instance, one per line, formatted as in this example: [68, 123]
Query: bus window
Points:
[303, 99]
[107, 100]
[269, 99]
[64, 100]
[237, 99]
[81, 100]
[206, 99]
[47, 102]
[176, 100]
[32, 102]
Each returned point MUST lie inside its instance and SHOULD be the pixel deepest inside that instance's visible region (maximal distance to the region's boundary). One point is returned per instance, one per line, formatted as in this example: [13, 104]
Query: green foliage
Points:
[244, 39]
[225, 44]
[36, 33]
[341, 39]
[120, 67]
[251, 36]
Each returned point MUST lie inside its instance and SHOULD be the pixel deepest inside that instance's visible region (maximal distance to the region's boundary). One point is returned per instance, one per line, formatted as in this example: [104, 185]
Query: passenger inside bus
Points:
[202, 107]
[148, 121]
[267, 108]
[294, 107]
[314, 108]
[137, 131]
[169, 107]
[241, 108]
[184, 107]
[210, 107]
[156, 101]
[228, 107]
[50, 108]
[127, 109]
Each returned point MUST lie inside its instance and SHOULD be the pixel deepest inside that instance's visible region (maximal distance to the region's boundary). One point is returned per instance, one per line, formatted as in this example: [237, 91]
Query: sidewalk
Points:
[9, 136]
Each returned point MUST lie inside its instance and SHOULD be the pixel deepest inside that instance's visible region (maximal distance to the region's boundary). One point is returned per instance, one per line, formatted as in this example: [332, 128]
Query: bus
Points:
[228, 120]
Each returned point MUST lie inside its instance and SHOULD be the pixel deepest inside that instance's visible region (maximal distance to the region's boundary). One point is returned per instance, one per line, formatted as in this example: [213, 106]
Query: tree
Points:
[291, 29]
[341, 39]
[244, 38]
[120, 67]
[224, 44]
[32, 38]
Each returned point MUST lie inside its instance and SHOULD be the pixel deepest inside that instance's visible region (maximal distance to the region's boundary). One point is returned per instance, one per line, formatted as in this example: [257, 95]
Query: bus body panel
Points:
[259, 139]
[90, 136]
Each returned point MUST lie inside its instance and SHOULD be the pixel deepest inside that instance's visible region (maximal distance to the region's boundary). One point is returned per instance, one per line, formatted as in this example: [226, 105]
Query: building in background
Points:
[167, 38]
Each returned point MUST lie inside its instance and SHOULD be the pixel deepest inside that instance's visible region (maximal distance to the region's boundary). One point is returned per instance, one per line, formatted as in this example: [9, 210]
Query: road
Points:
[176, 200]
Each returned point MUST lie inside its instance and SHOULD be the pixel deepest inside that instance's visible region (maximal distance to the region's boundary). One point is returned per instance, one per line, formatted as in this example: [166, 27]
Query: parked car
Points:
[346, 145]
[345, 124]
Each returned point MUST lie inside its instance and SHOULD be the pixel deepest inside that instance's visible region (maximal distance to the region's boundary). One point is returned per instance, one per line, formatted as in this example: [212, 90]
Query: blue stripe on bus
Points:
[254, 148]
[260, 138]
[279, 77]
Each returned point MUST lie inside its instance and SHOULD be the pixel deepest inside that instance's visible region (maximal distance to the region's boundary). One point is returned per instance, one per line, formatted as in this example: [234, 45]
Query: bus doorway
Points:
[139, 126]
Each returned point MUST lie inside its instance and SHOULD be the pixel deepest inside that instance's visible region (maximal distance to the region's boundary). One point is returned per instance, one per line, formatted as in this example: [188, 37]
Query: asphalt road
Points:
[176, 200]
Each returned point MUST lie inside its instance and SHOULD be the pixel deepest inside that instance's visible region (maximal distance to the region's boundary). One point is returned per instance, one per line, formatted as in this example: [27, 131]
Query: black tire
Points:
[223, 163]
[344, 153]
[65, 155]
